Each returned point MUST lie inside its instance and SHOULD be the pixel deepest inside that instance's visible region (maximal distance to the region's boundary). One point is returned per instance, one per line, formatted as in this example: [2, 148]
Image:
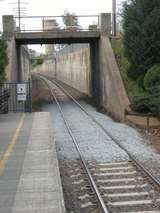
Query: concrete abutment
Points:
[113, 94]
[19, 66]
[100, 67]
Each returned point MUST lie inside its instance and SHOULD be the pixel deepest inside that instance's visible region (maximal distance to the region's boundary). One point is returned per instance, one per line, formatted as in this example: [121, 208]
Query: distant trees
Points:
[37, 62]
[70, 19]
[141, 35]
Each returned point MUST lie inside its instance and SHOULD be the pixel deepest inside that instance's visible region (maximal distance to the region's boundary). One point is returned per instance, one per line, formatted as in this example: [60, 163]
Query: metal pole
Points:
[43, 24]
[19, 14]
[30, 95]
[114, 28]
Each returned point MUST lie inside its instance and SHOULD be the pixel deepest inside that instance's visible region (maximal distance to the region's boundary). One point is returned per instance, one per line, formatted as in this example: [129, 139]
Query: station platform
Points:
[29, 174]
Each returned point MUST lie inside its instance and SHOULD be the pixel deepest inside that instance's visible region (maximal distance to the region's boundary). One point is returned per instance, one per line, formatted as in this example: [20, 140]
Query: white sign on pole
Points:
[21, 97]
[21, 88]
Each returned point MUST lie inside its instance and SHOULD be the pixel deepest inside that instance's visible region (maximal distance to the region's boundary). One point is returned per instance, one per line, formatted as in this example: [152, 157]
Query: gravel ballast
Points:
[128, 136]
[92, 140]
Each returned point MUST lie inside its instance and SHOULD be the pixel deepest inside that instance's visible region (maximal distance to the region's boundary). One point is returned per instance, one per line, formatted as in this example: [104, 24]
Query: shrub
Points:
[140, 81]
[132, 87]
[148, 102]
[37, 62]
[140, 104]
[152, 77]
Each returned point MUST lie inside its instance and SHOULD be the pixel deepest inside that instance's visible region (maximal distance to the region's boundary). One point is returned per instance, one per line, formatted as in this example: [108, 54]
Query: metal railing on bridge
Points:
[55, 23]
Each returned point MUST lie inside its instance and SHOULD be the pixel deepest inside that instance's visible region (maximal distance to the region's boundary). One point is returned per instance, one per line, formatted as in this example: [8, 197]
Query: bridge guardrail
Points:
[56, 23]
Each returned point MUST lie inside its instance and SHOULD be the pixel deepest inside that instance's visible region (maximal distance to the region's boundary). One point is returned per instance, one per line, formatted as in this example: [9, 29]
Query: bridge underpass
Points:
[92, 38]
[107, 87]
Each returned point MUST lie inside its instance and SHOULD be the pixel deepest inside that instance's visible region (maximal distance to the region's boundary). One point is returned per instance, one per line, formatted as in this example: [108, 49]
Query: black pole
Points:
[114, 27]
[30, 95]
[19, 14]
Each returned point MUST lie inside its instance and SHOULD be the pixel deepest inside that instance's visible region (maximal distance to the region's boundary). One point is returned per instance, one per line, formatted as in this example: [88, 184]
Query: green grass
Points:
[131, 86]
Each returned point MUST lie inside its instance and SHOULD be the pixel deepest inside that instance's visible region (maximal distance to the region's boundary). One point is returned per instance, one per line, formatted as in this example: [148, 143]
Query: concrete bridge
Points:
[56, 37]
[105, 81]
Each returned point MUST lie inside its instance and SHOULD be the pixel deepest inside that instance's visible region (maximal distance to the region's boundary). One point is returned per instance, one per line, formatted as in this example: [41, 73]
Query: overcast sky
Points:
[50, 7]
[57, 8]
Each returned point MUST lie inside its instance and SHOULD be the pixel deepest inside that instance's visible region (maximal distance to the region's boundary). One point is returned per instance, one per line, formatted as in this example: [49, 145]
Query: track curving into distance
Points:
[140, 167]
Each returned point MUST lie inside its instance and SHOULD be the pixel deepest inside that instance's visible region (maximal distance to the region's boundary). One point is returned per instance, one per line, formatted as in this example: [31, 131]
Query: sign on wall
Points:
[21, 92]
[21, 88]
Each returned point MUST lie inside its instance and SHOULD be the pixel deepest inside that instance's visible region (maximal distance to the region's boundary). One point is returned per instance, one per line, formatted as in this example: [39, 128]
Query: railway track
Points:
[119, 187]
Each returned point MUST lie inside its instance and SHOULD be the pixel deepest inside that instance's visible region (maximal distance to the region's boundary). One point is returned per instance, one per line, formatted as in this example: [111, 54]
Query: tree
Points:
[141, 35]
[70, 20]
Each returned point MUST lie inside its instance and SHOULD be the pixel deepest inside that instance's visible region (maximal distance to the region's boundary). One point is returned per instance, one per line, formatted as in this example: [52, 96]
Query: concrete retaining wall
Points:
[113, 94]
[25, 63]
[40, 92]
[74, 69]
[47, 68]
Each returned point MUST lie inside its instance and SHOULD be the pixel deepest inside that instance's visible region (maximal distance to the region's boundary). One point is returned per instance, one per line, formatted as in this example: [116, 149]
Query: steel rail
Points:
[132, 157]
[92, 182]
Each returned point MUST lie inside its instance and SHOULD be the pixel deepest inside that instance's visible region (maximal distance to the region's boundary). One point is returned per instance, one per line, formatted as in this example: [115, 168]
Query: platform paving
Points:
[30, 181]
